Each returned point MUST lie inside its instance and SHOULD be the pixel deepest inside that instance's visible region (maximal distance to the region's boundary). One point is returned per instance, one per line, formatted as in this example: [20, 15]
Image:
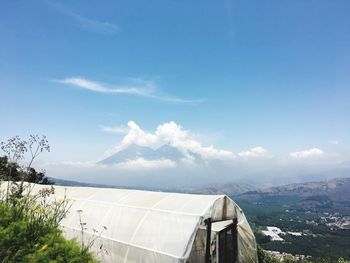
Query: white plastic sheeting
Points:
[144, 226]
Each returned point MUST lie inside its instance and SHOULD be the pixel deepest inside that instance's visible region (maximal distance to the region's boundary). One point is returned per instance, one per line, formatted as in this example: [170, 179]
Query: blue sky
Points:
[236, 74]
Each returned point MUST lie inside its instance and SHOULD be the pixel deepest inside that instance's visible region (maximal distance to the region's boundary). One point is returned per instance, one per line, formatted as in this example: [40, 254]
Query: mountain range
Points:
[134, 152]
[230, 189]
[315, 196]
[310, 195]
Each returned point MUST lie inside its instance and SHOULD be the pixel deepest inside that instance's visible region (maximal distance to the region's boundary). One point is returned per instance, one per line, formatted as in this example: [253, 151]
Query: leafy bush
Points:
[29, 229]
[29, 221]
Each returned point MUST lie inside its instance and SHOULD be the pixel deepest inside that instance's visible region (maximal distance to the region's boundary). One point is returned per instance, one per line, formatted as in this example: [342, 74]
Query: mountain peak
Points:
[134, 151]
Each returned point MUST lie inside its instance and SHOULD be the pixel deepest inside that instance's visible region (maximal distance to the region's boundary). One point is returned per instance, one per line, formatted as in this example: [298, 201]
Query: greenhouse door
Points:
[227, 248]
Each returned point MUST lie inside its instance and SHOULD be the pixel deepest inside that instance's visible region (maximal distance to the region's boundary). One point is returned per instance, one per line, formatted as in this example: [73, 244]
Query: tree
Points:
[14, 149]
[13, 166]
[9, 171]
[32, 176]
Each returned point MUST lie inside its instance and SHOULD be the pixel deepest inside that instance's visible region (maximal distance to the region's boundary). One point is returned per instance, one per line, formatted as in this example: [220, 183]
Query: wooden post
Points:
[207, 249]
[235, 240]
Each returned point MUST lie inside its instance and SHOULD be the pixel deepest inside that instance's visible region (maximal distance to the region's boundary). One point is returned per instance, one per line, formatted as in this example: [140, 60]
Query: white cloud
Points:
[139, 88]
[92, 25]
[305, 154]
[99, 87]
[335, 142]
[141, 164]
[173, 134]
[117, 129]
[254, 152]
[140, 137]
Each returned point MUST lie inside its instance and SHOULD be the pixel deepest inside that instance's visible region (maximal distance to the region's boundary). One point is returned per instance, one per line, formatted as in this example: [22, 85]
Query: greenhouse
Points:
[124, 225]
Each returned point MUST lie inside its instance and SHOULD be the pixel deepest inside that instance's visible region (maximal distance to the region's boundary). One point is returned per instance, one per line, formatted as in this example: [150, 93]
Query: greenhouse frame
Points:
[122, 225]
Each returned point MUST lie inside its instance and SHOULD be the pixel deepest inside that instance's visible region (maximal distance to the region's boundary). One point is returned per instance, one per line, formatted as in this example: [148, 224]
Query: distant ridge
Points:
[76, 183]
[310, 195]
[63, 182]
[229, 189]
[334, 194]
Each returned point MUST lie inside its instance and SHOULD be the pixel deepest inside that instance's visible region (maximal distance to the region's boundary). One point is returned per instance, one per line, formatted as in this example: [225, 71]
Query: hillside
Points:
[328, 195]
[313, 218]
[230, 189]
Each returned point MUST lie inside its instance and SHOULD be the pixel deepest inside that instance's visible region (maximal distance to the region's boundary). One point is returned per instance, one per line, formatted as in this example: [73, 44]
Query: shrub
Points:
[29, 230]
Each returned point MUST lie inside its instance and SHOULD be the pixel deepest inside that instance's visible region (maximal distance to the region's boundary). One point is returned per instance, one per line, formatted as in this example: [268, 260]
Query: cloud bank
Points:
[197, 164]
[173, 134]
[306, 154]
[255, 152]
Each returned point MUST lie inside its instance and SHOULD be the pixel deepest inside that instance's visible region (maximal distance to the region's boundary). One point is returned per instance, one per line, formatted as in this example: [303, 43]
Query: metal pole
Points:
[226, 254]
[235, 240]
[207, 249]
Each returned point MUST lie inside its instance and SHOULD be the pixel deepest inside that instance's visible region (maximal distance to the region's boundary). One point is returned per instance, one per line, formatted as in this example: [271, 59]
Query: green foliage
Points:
[17, 151]
[29, 221]
[32, 176]
[57, 249]
[29, 230]
[10, 171]
[264, 257]
[318, 241]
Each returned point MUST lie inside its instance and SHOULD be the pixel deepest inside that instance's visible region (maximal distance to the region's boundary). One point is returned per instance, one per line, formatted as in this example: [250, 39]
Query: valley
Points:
[313, 218]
